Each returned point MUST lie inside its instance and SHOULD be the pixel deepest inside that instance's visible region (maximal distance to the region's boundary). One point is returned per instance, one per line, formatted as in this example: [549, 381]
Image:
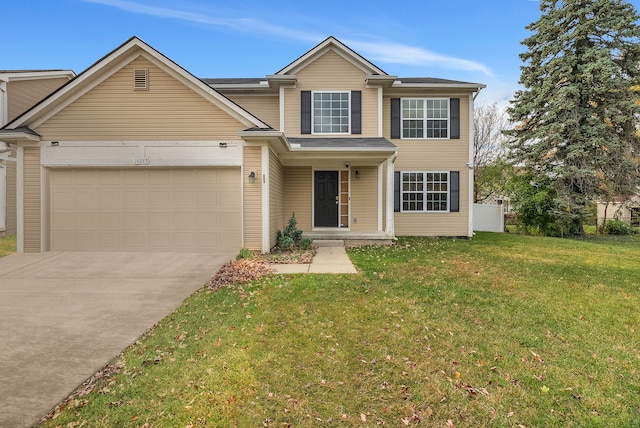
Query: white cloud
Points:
[395, 53]
[387, 52]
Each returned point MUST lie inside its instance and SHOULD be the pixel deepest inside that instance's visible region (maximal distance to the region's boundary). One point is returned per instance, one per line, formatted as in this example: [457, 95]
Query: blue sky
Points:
[469, 40]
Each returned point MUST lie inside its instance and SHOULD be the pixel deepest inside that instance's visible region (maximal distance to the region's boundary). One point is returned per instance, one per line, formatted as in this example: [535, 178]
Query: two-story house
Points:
[136, 153]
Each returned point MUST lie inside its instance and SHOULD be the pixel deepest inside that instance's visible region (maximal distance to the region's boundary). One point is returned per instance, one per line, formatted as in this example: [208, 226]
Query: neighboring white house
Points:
[19, 91]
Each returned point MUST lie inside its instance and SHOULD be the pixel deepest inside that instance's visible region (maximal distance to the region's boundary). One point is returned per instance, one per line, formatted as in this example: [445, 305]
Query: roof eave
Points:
[18, 135]
[380, 80]
[475, 86]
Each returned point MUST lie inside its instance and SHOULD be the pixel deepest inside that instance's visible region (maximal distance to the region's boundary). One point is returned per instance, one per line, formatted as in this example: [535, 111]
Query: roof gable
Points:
[111, 64]
[333, 44]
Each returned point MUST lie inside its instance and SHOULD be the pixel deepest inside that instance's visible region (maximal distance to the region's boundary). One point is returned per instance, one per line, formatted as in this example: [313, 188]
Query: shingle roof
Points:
[432, 80]
[343, 143]
[233, 80]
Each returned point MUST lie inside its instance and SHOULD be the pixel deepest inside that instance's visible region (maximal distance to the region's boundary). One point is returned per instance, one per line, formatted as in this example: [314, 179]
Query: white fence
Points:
[488, 218]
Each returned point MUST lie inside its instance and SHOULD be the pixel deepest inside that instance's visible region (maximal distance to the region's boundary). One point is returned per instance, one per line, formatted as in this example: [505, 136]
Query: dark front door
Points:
[326, 198]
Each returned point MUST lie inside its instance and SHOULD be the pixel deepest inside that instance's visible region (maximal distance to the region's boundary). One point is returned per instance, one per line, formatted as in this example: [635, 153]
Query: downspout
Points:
[477, 93]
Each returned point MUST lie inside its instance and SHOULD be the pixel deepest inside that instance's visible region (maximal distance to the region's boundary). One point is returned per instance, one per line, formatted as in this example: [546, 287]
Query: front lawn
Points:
[500, 330]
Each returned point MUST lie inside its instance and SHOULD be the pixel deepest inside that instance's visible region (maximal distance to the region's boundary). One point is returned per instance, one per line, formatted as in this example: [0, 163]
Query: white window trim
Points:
[424, 119]
[424, 191]
[313, 132]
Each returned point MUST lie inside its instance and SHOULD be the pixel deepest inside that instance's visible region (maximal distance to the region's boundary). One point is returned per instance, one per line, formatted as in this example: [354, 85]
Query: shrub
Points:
[618, 227]
[305, 243]
[285, 242]
[291, 236]
[245, 253]
[291, 229]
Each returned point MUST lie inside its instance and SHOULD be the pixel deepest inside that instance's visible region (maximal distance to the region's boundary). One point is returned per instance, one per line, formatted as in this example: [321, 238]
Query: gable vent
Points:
[141, 79]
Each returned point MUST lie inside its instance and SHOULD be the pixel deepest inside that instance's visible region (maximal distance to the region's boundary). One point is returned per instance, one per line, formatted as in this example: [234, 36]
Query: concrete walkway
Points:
[330, 257]
[63, 316]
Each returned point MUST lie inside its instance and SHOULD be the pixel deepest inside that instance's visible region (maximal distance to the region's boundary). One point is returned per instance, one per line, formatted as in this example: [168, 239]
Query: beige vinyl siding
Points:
[264, 107]
[297, 187]
[168, 110]
[24, 94]
[11, 195]
[253, 198]
[32, 213]
[364, 200]
[331, 72]
[434, 155]
[276, 198]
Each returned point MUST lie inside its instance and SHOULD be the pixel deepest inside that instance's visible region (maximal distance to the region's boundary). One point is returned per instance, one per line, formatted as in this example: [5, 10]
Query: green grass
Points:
[500, 330]
[7, 245]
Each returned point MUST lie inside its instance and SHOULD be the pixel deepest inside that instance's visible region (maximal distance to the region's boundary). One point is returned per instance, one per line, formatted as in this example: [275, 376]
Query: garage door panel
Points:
[145, 209]
[110, 220]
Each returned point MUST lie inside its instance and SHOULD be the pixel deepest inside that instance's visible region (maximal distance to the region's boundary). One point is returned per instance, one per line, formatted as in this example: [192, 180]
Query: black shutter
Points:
[356, 112]
[305, 112]
[454, 107]
[454, 191]
[395, 117]
[396, 191]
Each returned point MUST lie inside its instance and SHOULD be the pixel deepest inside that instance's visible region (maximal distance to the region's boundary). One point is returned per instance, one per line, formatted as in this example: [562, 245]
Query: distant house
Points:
[627, 211]
[137, 154]
[19, 90]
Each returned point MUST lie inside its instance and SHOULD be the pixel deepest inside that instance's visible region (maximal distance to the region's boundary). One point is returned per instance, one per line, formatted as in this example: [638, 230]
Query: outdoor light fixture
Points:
[346, 164]
[357, 175]
[252, 177]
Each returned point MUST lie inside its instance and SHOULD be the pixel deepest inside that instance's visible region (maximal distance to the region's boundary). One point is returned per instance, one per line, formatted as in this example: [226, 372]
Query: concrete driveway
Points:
[64, 315]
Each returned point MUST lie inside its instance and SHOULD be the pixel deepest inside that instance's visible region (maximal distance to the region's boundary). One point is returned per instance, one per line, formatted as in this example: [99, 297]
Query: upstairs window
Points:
[331, 113]
[425, 118]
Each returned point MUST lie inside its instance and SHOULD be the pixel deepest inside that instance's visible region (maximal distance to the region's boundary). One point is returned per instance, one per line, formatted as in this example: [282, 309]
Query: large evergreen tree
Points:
[576, 118]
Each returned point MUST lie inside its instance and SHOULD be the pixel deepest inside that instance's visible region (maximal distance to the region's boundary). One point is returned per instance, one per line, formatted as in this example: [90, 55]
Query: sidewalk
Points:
[330, 257]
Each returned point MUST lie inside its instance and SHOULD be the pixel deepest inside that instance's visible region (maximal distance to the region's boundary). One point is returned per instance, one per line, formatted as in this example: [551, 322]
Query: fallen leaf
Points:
[537, 357]
[544, 389]
[363, 417]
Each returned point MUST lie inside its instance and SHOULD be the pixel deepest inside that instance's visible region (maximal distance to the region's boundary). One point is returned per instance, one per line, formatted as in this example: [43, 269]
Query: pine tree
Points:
[577, 115]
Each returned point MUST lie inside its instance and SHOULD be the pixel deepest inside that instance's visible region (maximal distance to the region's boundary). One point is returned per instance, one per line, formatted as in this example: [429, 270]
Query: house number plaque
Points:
[141, 161]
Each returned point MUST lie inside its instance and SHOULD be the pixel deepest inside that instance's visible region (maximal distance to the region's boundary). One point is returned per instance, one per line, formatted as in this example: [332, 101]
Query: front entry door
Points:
[326, 198]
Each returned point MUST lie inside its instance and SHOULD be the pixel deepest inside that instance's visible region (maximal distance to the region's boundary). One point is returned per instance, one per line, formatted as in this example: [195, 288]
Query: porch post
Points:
[390, 224]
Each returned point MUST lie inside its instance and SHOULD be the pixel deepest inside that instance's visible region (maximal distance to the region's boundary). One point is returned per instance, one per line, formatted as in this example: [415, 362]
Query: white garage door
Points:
[145, 209]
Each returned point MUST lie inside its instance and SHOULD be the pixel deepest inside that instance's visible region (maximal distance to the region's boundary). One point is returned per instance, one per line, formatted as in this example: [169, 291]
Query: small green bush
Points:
[285, 242]
[291, 236]
[245, 253]
[618, 227]
[305, 243]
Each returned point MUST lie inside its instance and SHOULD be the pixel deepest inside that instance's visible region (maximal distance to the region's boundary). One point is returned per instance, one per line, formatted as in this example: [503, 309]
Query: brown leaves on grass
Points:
[74, 399]
[237, 271]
